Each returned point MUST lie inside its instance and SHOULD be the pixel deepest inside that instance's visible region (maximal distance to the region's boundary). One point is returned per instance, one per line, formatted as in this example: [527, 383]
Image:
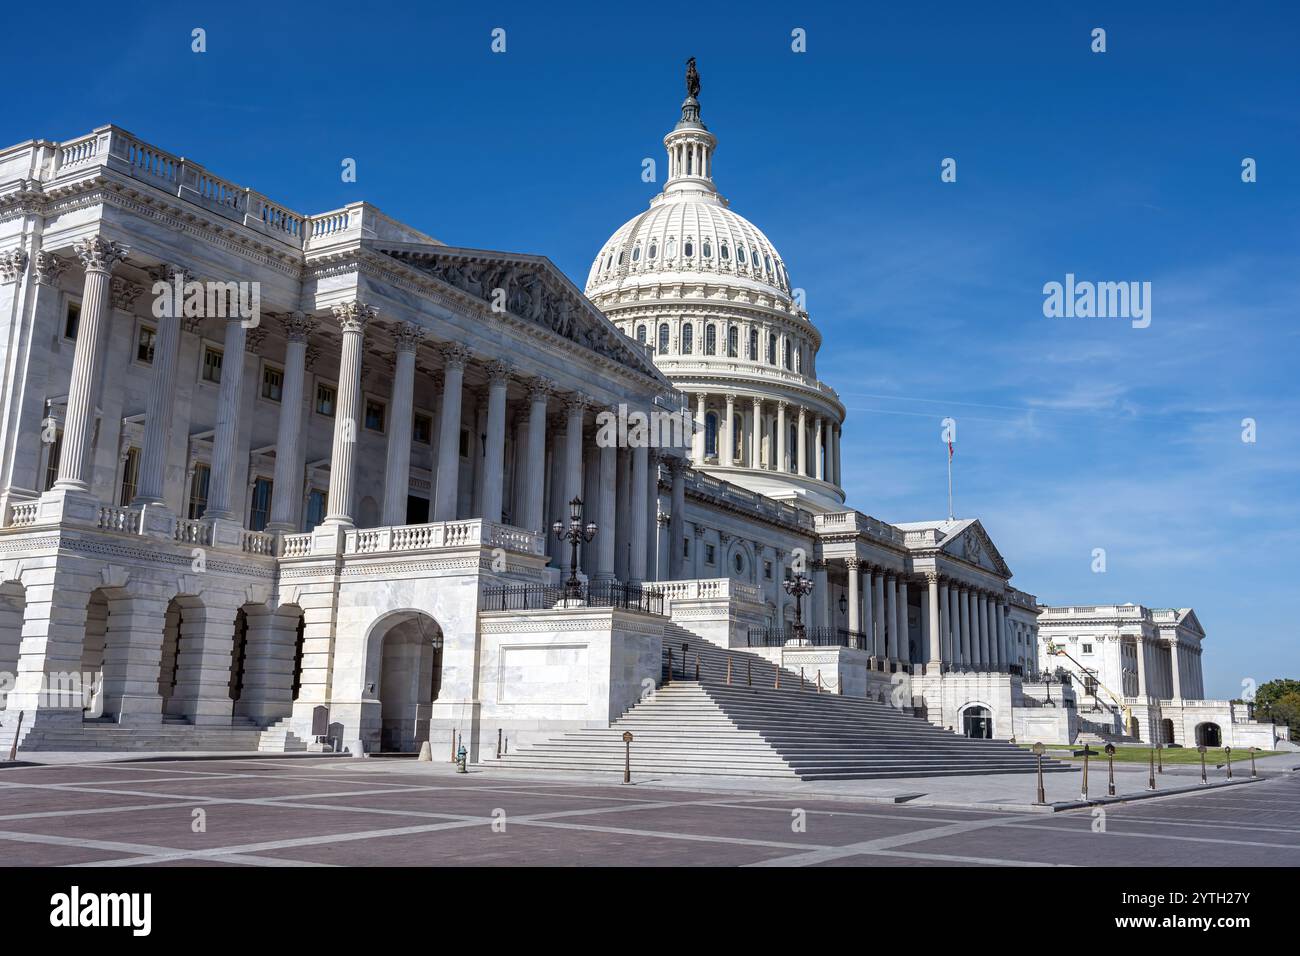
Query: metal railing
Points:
[815, 636]
[536, 597]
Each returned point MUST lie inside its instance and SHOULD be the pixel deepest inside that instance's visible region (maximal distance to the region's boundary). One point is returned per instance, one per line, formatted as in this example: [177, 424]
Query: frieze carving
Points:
[12, 264]
[49, 267]
[124, 293]
[297, 326]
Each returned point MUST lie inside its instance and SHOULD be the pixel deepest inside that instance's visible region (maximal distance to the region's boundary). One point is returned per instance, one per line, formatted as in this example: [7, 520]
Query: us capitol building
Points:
[279, 481]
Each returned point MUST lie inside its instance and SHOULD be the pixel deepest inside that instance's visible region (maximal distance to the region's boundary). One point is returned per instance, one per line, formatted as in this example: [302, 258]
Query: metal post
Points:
[498, 743]
[1038, 749]
[1151, 776]
[1201, 748]
[627, 756]
[801, 678]
[728, 669]
[18, 730]
[669, 678]
[1110, 759]
[1160, 759]
[1086, 752]
[749, 673]
[1227, 753]
[819, 680]
[777, 685]
[1252, 752]
[697, 667]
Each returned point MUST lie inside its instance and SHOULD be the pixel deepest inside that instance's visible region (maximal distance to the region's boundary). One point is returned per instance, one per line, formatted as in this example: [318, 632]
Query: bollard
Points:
[1160, 758]
[697, 667]
[669, 678]
[777, 685]
[749, 673]
[728, 669]
[1252, 752]
[18, 731]
[1201, 748]
[1151, 776]
[1086, 752]
[498, 743]
[507, 742]
[453, 747]
[819, 680]
[1110, 759]
[426, 752]
[627, 756]
[1038, 749]
[1227, 753]
[460, 760]
[801, 678]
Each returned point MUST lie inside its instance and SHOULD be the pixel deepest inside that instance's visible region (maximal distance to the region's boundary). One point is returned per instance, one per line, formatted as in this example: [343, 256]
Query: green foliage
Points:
[1279, 700]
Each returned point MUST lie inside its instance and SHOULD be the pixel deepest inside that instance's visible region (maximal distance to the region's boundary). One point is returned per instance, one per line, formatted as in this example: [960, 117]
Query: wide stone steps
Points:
[701, 728]
[169, 736]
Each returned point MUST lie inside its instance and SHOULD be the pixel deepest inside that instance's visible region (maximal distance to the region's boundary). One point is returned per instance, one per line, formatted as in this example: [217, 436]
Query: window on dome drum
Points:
[653, 251]
[620, 257]
[789, 360]
[740, 254]
[738, 433]
[771, 349]
[671, 249]
[130, 476]
[753, 345]
[688, 338]
[636, 254]
[768, 260]
[709, 554]
[710, 339]
[640, 334]
[708, 249]
[733, 342]
[740, 563]
[688, 250]
[663, 338]
[710, 435]
[724, 252]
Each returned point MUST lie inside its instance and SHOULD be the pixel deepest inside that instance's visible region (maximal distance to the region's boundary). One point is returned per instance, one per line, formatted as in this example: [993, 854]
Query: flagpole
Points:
[950, 518]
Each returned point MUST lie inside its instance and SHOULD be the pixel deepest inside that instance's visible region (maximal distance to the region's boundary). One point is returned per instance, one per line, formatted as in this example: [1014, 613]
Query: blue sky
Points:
[1073, 434]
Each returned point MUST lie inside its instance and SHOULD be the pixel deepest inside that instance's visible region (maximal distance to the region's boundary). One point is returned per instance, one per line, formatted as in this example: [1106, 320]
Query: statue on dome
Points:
[692, 78]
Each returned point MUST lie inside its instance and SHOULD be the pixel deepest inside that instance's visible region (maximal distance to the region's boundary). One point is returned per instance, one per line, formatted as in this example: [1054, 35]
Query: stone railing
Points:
[726, 493]
[706, 589]
[124, 520]
[257, 542]
[844, 522]
[23, 513]
[1133, 612]
[442, 534]
[296, 545]
[187, 531]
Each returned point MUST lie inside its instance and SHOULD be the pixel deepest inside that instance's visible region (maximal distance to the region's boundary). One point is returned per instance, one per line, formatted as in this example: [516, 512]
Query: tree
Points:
[1279, 701]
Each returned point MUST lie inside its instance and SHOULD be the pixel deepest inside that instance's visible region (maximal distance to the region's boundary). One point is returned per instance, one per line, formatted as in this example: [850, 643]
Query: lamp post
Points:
[576, 532]
[797, 587]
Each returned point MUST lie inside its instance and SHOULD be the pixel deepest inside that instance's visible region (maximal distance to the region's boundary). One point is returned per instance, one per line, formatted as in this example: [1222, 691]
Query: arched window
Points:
[792, 447]
[798, 360]
[621, 254]
[710, 339]
[724, 251]
[711, 435]
[708, 248]
[768, 259]
[739, 562]
[640, 334]
[771, 348]
[789, 359]
[753, 345]
[740, 254]
[733, 342]
[738, 434]
[688, 338]
[653, 251]
[636, 253]
[688, 249]
[663, 338]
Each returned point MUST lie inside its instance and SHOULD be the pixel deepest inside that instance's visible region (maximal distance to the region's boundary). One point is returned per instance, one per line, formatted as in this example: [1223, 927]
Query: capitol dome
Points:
[706, 293]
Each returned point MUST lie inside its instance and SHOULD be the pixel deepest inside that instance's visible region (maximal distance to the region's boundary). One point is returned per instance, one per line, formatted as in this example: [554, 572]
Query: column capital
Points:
[498, 372]
[98, 254]
[932, 578]
[352, 316]
[255, 338]
[677, 466]
[540, 389]
[124, 292]
[49, 267]
[407, 337]
[730, 397]
[576, 402]
[454, 356]
[297, 326]
[12, 264]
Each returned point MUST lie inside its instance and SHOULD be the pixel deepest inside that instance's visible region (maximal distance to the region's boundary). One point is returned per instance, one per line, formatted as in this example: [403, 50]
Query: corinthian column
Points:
[538, 393]
[780, 435]
[801, 468]
[935, 621]
[352, 318]
[397, 470]
[608, 514]
[726, 453]
[225, 436]
[444, 501]
[98, 255]
[756, 436]
[697, 437]
[158, 409]
[495, 452]
[819, 466]
[286, 490]
[677, 518]
[640, 486]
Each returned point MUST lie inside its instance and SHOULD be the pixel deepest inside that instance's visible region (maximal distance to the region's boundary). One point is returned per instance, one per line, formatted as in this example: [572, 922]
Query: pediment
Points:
[531, 290]
[973, 545]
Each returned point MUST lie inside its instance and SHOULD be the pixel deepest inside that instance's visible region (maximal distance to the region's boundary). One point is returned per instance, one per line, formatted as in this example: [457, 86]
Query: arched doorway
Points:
[13, 607]
[1209, 735]
[1166, 731]
[977, 722]
[409, 679]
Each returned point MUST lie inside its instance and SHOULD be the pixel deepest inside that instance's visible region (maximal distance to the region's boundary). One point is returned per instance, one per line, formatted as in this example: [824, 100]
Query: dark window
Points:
[52, 462]
[316, 503]
[375, 415]
[259, 511]
[130, 475]
[199, 491]
[422, 429]
[144, 343]
[272, 383]
[663, 338]
[710, 339]
[733, 342]
[72, 321]
[325, 399]
[212, 360]
[688, 338]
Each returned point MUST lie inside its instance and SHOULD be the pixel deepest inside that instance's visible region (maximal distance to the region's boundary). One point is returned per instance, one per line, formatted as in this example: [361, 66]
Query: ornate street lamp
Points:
[576, 532]
[797, 587]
